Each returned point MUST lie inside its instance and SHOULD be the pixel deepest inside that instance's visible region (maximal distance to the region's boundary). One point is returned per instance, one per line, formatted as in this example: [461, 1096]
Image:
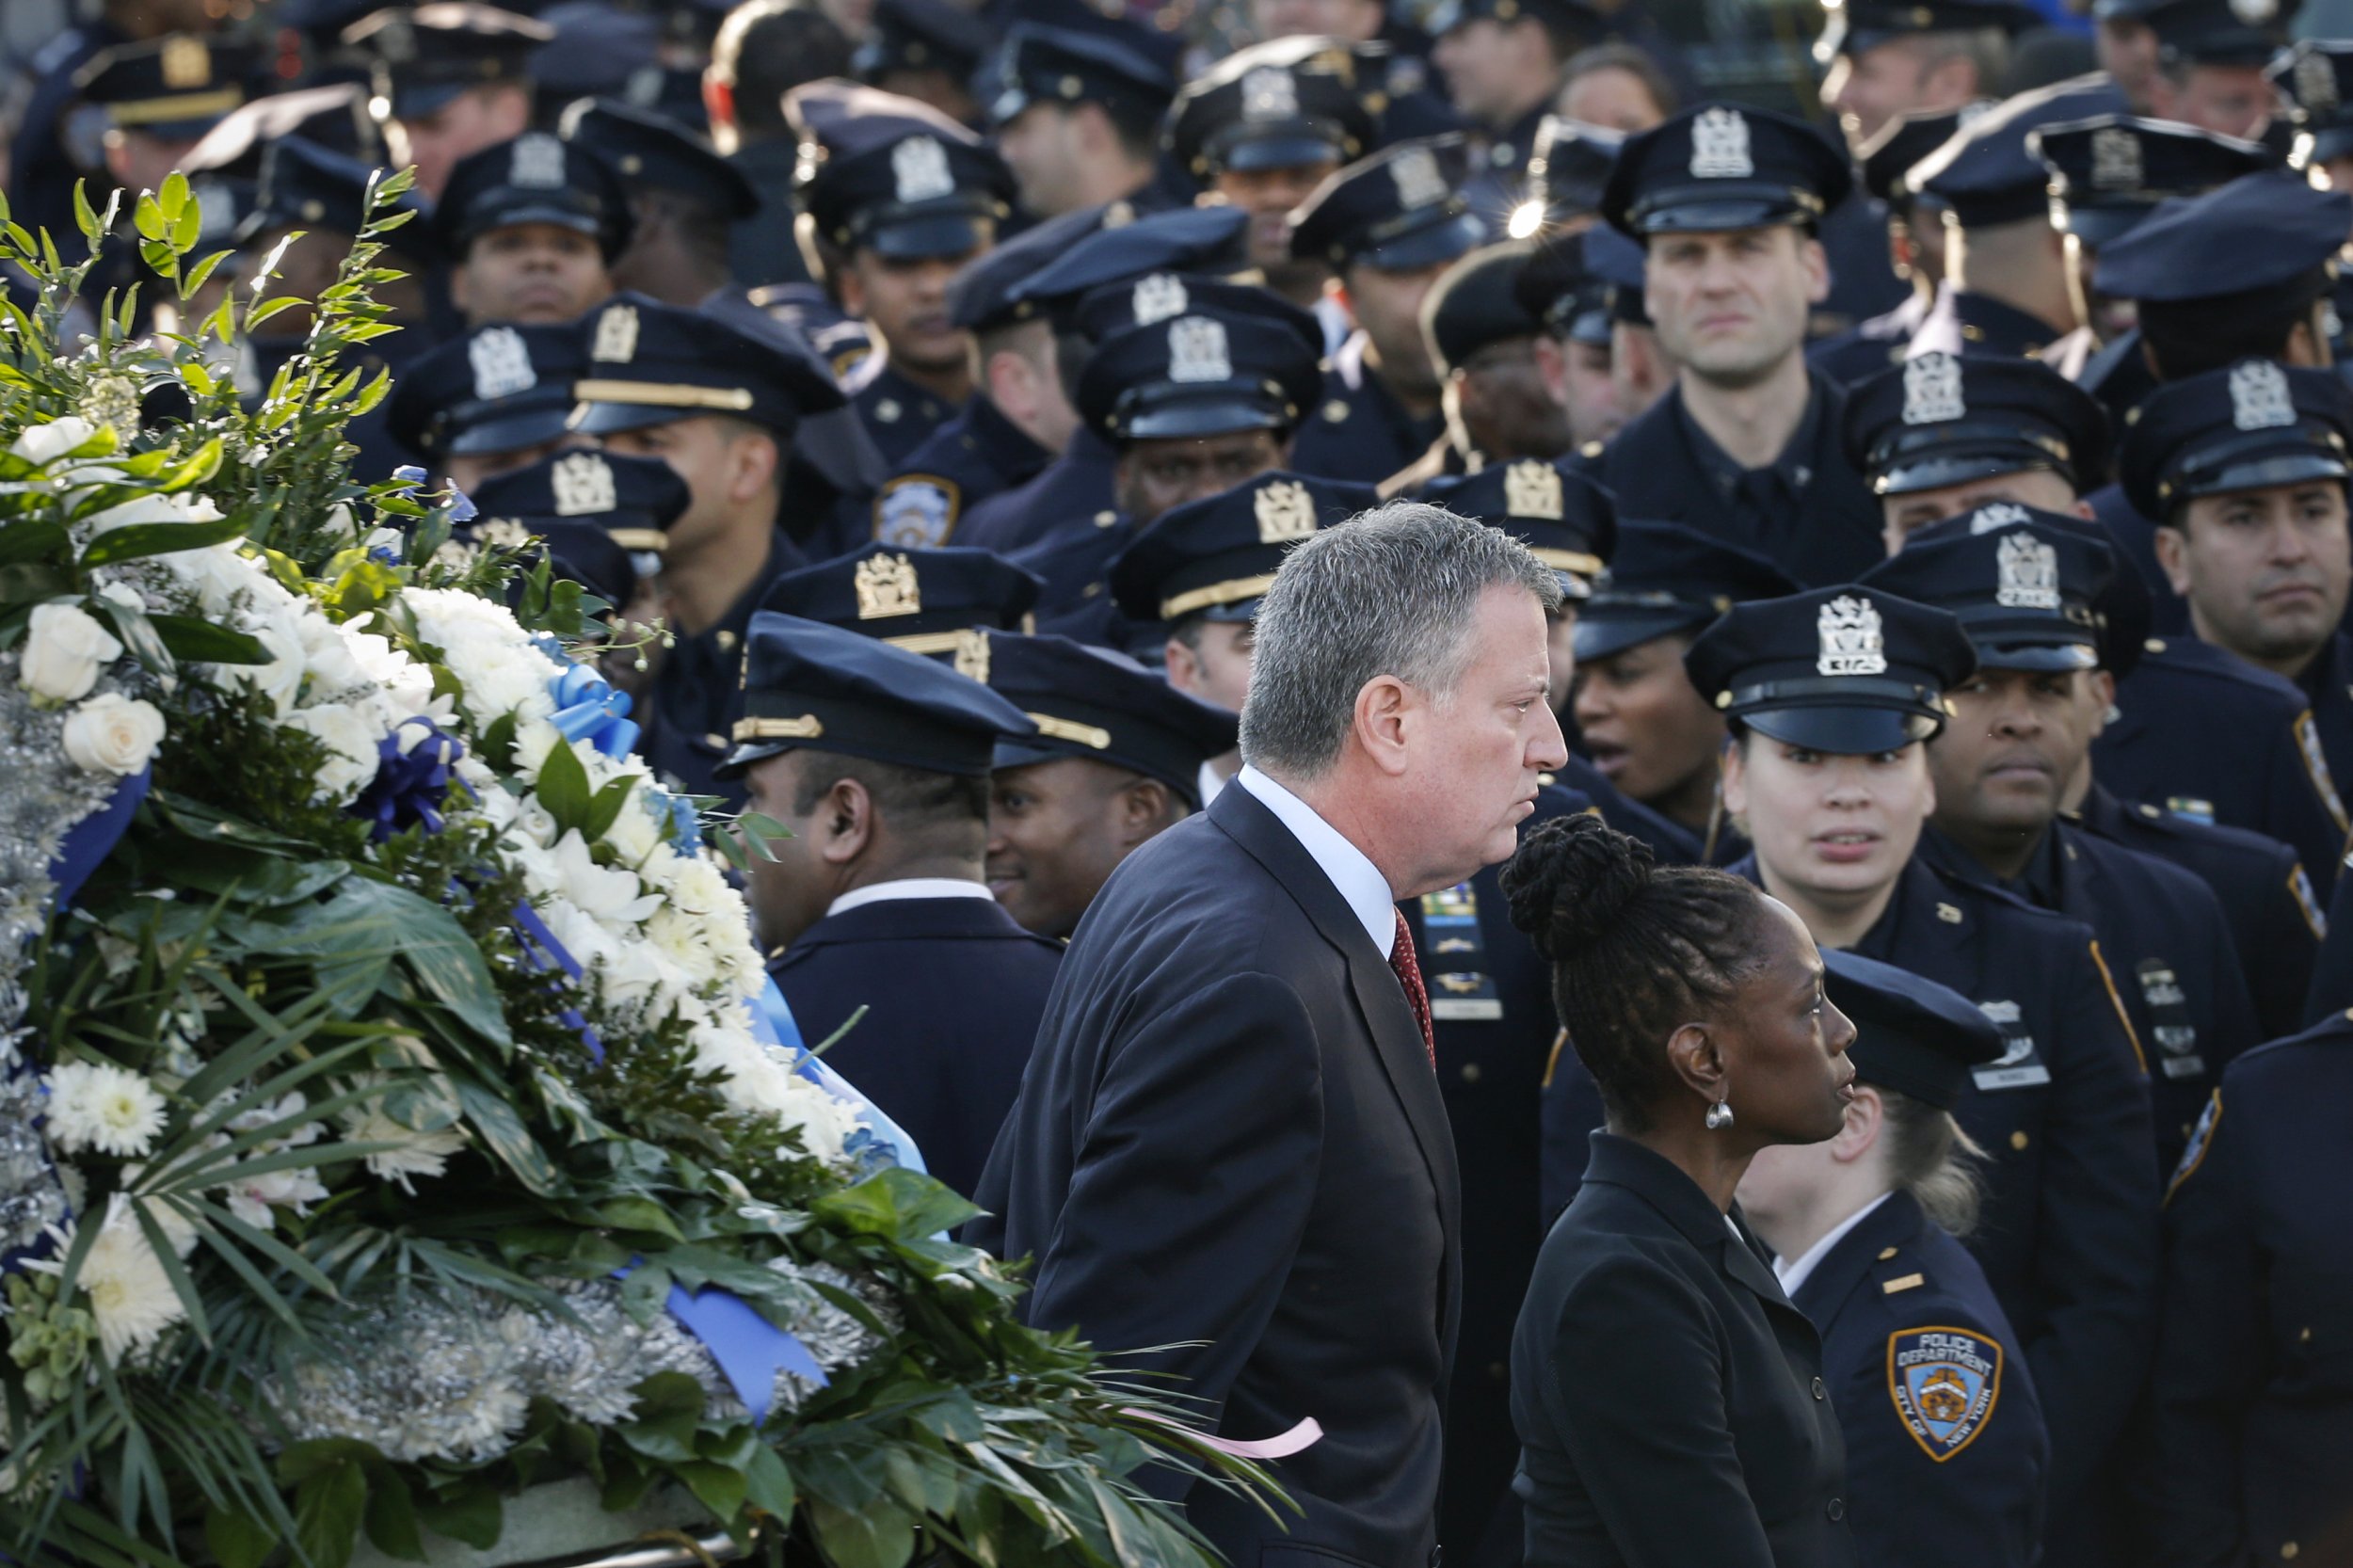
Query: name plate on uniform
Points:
[2018, 1067]
[1454, 955]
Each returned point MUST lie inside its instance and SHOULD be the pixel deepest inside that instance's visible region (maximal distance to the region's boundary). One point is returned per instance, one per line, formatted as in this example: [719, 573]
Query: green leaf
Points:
[201, 464]
[137, 539]
[236, 1541]
[876, 1536]
[768, 1483]
[200, 641]
[83, 217]
[494, 1116]
[606, 807]
[365, 920]
[32, 540]
[202, 270]
[328, 1508]
[563, 788]
[473, 1517]
[392, 1517]
[189, 227]
[30, 581]
[149, 219]
[895, 1202]
[172, 196]
[717, 1487]
[137, 633]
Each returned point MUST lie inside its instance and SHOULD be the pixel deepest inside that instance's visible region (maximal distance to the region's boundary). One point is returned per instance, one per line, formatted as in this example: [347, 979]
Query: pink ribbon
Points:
[1300, 1438]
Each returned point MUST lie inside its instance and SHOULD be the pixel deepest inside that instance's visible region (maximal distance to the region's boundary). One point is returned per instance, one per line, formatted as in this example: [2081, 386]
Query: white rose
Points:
[111, 733]
[535, 820]
[332, 670]
[281, 680]
[46, 443]
[64, 651]
[351, 738]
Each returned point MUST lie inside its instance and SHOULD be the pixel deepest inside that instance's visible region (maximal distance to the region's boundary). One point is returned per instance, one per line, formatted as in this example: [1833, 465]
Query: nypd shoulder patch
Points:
[1945, 1383]
[2200, 1140]
[920, 509]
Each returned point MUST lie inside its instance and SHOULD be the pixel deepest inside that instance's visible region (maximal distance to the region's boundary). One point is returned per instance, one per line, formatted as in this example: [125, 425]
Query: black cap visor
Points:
[1290, 144]
[2243, 465]
[1603, 627]
[500, 429]
[1722, 206]
[2101, 225]
[915, 233]
[1167, 411]
[1838, 725]
[2001, 650]
[1909, 473]
[414, 100]
[503, 208]
[1449, 236]
[777, 722]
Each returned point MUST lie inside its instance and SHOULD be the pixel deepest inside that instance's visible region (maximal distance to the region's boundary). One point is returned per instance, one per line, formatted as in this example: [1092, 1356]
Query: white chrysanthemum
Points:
[130, 1294]
[407, 684]
[681, 940]
[98, 1105]
[489, 654]
[758, 1080]
[351, 733]
[699, 889]
[281, 678]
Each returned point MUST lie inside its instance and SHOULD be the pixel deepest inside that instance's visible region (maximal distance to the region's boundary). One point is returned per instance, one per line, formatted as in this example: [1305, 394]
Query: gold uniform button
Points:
[2018, 1140]
[1105, 518]
[1470, 1072]
[2303, 1335]
[1886, 1252]
[716, 743]
[2288, 1550]
[1092, 590]
[726, 641]
[1335, 412]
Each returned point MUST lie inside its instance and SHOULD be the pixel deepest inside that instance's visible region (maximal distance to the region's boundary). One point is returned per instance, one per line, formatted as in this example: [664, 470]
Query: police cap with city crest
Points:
[1568, 168]
[535, 178]
[1850, 670]
[653, 153]
[1718, 166]
[1159, 295]
[2109, 171]
[808, 685]
[2316, 78]
[1941, 419]
[1476, 304]
[632, 501]
[1207, 240]
[921, 35]
[1101, 706]
[1291, 103]
[1855, 26]
[177, 87]
[2254, 425]
[2025, 584]
[1062, 67]
[1566, 521]
[1987, 174]
[492, 389]
[886, 173]
[1912, 1034]
[1398, 210]
[2197, 248]
[980, 295]
[651, 364]
[425, 55]
[932, 602]
[1216, 557]
[1666, 579]
[304, 185]
[2244, 33]
[1210, 371]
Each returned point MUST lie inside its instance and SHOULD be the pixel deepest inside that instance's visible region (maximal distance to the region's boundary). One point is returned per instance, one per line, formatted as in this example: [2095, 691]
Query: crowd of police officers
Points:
[944, 387]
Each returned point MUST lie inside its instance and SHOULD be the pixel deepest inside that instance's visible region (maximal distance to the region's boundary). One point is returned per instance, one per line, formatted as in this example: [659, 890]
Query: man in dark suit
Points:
[1231, 1134]
[877, 761]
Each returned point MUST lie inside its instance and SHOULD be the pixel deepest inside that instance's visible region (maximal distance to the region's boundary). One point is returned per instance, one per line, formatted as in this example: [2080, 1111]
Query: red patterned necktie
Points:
[1408, 969]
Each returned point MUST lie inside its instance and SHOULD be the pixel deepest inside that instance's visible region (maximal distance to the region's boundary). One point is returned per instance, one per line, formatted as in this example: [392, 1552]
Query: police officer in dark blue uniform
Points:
[2026, 586]
[1707, 182]
[1507, 119]
[899, 197]
[1191, 402]
[927, 49]
[2254, 1397]
[48, 154]
[2315, 80]
[1095, 66]
[2011, 296]
[1830, 694]
[487, 401]
[1915, 246]
[1947, 1457]
[1018, 417]
[935, 602]
[2252, 435]
[425, 59]
[877, 760]
[684, 195]
[1481, 331]
[532, 227]
[1075, 491]
[2205, 297]
[603, 520]
[721, 406]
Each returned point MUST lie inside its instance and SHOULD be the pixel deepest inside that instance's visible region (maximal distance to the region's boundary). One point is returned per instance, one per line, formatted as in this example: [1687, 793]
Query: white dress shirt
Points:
[1792, 1274]
[907, 887]
[1352, 871]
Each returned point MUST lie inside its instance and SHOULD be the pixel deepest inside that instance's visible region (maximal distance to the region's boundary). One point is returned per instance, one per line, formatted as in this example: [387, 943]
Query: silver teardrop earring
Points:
[1719, 1116]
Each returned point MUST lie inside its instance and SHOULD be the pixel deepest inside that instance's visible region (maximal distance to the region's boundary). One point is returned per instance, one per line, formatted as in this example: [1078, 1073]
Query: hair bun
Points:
[1572, 880]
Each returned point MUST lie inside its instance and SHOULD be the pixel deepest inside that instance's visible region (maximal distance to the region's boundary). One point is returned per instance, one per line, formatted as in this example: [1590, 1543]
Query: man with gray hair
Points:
[1230, 1142]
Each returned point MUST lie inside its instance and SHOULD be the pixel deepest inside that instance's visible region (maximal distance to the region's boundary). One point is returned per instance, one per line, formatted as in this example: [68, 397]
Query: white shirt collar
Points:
[1210, 782]
[1352, 871]
[1793, 1274]
[907, 887]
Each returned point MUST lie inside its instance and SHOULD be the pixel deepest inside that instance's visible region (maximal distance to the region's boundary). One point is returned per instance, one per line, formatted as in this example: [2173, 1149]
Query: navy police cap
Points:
[2025, 583]
[425, 55]
[2244, 33]
[1159, 295]
[178, 87]
[1216, 557]
[1291, 103]
[1854, 26]
[1718, 166]
[1568, 168]
[1666, 578]
[652, 152]
[1988, 174]
[2251, 426]
[2196, 246]
[1039, 63]
[1101, 706]
[1557, 287]
[1476, 304]
[1211, 371]
[1912, 1034]
[632, 501]
[1941, 419]
[304, 185]
[492, 389]
[1891, 154]
[2316, 79]
[921, 35]
[1851, 671]
[651, 364]
[894, 175]
[535, 178]
[1619, 262]
[809, 686]
[1400, 210]
[334, 117]
[2111, 172]
[932, 602]
[980, 295]
[1182, 239]
[1566, 521]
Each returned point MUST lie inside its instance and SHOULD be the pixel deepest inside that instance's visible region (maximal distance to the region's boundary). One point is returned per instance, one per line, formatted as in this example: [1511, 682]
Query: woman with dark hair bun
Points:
[1668, 1398]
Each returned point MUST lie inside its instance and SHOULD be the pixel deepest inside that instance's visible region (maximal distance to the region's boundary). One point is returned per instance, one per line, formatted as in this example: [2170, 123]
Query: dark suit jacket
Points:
[1229, 1132]
[953, 989]
[1668, 1398]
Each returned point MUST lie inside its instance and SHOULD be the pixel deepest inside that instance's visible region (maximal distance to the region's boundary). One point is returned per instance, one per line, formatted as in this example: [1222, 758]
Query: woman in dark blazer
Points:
[1669, 1398]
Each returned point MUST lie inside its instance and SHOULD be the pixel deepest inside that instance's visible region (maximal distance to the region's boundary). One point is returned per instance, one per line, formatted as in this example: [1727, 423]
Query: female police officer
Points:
[1945, 1449]
[1830, 694]
[1669, 1398]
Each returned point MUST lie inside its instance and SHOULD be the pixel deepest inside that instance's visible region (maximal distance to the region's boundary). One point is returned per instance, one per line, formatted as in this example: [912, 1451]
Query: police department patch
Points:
[1944, 1382]
[917, 510]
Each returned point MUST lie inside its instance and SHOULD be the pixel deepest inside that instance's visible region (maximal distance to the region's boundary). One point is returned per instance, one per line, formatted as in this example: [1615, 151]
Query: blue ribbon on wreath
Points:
[410, 781]
[589, 711]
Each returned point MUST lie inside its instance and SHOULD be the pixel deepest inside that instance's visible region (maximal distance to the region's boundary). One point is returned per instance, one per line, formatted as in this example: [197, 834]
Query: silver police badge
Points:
[915, 512]
[1533, 489]
[616, 335]
[584, 486]
[501, 364]
[1418, 181]
[2317, 82]
[537, 162]
[1932, 389]
[1850, 635]
[1158, 297]
[1284, 511]
[2116, 160]
[1197, 351]
[2028, 571]
[1720, 146]
[1268, 93]
[919, 170]
[2260, 399]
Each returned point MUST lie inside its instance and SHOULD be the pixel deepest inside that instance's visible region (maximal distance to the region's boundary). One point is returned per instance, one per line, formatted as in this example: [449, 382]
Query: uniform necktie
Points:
[1416, 995]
